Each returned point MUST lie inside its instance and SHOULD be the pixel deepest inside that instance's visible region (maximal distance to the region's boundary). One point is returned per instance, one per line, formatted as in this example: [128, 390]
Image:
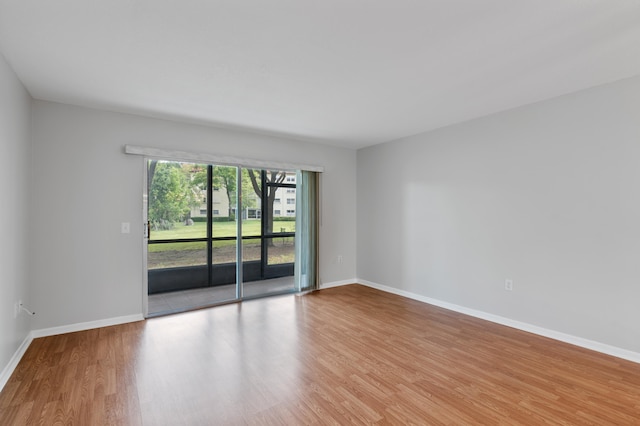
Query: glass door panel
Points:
[187, 267]
[269, 261]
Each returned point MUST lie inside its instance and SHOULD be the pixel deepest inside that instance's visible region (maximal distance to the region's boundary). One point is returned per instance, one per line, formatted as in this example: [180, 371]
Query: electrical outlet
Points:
[340, 259]
[508, 285]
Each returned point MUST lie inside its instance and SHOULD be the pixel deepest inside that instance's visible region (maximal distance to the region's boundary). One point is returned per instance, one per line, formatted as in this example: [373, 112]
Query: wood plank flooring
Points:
[346, 355]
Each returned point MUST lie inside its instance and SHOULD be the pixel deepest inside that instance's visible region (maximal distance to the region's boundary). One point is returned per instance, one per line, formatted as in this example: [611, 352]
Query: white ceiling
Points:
[345, 72]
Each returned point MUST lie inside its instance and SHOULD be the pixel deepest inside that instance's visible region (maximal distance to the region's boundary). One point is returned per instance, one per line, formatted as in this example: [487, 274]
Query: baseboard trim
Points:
[17, 356]
[552, 334]
[338, 283]
[15, 359]
[71, 328]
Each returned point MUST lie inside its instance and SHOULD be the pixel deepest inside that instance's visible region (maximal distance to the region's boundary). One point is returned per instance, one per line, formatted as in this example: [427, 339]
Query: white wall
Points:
[85, 186]
[547, 195]
[15, 169]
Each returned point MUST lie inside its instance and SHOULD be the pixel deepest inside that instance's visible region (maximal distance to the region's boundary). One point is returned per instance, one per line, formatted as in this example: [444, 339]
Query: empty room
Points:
[336, 212]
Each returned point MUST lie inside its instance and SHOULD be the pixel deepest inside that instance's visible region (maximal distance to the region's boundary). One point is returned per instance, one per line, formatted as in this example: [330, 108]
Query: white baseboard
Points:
[15, 359]
[338, 283]
[13, 363]
[86, 325]
[552, 334]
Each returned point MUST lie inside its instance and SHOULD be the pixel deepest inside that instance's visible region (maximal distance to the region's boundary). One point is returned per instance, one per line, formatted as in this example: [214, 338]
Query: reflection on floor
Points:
[179, 301]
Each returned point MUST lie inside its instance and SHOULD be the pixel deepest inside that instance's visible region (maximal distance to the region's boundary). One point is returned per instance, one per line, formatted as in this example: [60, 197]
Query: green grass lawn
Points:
[220, 229]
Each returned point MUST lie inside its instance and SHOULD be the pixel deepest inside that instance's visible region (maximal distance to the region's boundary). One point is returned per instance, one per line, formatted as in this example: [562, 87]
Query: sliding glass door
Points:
[191, 236]
[268, 237]
[201, 218]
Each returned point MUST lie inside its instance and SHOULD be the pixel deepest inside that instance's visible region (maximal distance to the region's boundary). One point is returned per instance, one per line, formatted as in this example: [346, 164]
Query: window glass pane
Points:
[251, 202]
[177, 200]
[284, 224]
[284, 218]
[280, 250]
[283, 214]
[223, 201]
[251, 249]
[172, 255]
[224, 251]
[223, 228]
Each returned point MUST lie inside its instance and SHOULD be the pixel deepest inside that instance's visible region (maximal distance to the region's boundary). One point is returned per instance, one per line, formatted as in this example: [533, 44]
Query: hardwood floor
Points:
[346, 355]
